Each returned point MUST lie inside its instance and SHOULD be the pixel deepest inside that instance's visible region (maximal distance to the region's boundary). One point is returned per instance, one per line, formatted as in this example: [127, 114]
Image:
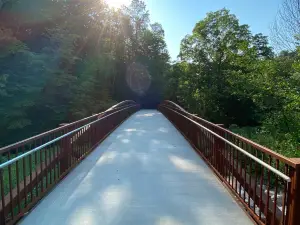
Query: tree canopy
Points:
[65, 60]
[228, 75]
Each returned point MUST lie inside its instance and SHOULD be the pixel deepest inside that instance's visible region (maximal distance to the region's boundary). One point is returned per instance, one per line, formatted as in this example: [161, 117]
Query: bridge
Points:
[134, 166]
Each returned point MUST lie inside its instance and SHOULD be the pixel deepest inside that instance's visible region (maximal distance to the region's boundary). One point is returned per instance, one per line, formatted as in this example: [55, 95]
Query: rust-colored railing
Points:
[30, 168]
[266, 183]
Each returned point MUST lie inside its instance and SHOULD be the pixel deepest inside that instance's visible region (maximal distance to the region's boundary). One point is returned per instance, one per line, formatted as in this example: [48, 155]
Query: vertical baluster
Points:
[242, 157]
[221, 156]
[229, 166]
[41, 166]
[3, 213]
[203, 144]
[50, 161]
[68, 145]
[18, 182]
[30, 173]
[250, 177]
[224, 157]
[24, 179]
[60, 156]
[73, 148]
[86, 138]
[227, 162]
[36, 170]
[77, 147]
[232, 166]
[218, 151]
[237, 169]
[55, 165]
[256, 175]
[10, 188]
[46, 149]
[213, 149]
[245, 171]
[80, 144]
[268, 190]
[90, 137]
[261, 188]
[284, 199]
[275, 194]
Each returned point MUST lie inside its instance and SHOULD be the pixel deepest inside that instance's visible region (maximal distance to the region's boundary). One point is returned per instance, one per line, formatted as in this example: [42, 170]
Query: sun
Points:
[117, 3]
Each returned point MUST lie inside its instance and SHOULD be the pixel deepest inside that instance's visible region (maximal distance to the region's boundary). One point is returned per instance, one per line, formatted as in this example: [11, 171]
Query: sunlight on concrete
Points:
[130, 130]
[114, 196]
[107, 157]
[144, 173]
[185, 165]
[162, 129]
[167, 220]
[156, 142]
[125, 141]
[146, 115]
[86, 216]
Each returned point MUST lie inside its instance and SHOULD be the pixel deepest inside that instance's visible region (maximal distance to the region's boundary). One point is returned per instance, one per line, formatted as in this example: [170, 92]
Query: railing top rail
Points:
[120, 104]
[175, 105]
[25, 141]
[259, 161]
[256, 145]
[9, 162]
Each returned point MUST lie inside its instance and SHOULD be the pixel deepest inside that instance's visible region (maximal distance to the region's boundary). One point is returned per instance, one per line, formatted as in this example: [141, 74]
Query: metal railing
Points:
[34, 166]
[265, 182]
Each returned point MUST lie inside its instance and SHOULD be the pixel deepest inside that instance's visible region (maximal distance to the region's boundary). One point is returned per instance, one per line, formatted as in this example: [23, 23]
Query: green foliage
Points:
[230, 76]
[61, 61]
[283, 145]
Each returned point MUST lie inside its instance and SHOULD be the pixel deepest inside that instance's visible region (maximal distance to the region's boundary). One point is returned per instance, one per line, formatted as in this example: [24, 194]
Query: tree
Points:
[64, 60]
[218, 52]
[286, 29]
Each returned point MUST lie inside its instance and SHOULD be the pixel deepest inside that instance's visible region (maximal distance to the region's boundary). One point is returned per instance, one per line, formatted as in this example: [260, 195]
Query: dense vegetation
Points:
[64, 60]
[231, 76]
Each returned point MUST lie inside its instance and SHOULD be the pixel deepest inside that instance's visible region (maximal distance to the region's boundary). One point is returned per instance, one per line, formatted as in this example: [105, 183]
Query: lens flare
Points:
[138, 78]
[117, 3]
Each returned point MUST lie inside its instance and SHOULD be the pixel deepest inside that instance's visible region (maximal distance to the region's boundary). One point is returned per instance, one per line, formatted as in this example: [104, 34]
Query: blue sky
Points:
[178, 17]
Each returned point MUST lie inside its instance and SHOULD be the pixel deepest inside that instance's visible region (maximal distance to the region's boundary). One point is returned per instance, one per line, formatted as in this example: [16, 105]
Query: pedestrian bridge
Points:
[133, 166]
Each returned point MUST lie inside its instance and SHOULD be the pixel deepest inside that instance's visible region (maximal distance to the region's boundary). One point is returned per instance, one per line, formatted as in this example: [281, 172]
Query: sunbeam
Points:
[117, 3]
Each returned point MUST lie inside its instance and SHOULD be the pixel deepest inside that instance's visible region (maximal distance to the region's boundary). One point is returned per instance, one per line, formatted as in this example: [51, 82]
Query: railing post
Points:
[221, 152]
[66, 152]
[2, 212]
[294, 202]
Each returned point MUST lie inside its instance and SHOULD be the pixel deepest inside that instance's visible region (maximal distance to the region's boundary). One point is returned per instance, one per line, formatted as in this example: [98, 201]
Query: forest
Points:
[64, 60]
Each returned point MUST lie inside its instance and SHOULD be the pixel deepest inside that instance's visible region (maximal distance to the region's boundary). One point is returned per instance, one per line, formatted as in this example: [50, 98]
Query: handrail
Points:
[175, 105]
[256, 145]
[266, 183]
[121, 104]
[9, 162]
[282, 175]
[36, 167]
[25, 141]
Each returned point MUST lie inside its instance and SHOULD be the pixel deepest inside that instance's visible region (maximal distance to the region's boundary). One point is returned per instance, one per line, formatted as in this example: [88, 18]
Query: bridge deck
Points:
[146, 173]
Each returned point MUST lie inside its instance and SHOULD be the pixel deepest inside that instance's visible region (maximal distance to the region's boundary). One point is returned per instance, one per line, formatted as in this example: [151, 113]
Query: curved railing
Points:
[39, 139]
[35, 165]
[265, 182]
[173, 105]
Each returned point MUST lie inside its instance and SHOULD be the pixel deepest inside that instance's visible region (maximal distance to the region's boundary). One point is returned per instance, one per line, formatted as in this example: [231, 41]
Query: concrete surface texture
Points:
[144, 173]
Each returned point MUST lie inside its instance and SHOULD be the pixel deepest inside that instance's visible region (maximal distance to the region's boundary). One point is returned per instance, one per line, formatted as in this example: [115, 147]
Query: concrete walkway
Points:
[144, 173]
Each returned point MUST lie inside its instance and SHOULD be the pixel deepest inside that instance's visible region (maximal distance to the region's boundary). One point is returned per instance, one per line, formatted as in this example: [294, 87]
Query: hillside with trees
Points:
[64, 60]
[229, 75]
